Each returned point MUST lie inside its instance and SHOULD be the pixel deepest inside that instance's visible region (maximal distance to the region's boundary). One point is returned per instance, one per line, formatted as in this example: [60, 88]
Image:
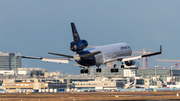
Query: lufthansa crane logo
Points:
[124, 47]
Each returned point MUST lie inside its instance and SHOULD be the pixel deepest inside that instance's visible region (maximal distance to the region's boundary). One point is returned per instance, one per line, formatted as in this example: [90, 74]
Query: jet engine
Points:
[130, 62]
[75, 47]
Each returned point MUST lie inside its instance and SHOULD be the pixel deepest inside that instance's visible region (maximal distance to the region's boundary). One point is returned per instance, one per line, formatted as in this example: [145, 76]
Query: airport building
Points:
[135, 72]
[12, 85]
[128, 71]
[100, 83]
[21, 73]
[9, 61]
[158, 72]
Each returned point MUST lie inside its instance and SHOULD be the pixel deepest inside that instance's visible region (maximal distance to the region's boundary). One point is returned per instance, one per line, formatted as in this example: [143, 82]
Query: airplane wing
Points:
[123, 59]
[58, 60]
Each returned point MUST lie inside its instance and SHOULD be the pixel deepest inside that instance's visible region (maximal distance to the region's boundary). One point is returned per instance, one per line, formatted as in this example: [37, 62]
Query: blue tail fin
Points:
[77, 45]
[132, 81]
[163, 84]
[75, 33]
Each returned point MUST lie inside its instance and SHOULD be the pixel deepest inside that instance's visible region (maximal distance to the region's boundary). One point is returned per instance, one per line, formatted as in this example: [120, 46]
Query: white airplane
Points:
[107, 55]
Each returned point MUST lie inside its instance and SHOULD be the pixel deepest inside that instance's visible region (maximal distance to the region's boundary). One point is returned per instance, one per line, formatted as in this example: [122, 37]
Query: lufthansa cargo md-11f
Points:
[107, 55]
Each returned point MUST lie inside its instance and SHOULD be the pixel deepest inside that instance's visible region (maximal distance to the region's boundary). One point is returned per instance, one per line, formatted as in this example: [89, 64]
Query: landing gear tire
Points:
[114, 70]
[98, 70]
[122, 66]
[84, 71]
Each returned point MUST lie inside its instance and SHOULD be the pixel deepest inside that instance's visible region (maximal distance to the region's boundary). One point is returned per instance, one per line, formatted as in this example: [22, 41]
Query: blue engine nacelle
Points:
[75, 47]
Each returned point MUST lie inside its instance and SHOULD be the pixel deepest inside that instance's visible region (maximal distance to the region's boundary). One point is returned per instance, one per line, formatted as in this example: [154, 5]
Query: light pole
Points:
[171, 70]
[171, 74]
[155, 71]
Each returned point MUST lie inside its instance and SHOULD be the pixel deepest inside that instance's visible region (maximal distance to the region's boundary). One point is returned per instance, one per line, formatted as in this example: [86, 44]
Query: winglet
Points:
[17, 54]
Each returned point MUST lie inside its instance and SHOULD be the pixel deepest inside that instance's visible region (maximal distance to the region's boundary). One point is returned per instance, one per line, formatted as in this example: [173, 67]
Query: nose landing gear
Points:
[98, 70]
[114, 69]
[122, 66]
[84, 71]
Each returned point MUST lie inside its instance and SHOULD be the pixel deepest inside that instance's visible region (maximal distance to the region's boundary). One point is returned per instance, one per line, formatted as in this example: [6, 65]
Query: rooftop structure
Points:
[135, 72]
[159, 72]
[99, 83]
[11, 85]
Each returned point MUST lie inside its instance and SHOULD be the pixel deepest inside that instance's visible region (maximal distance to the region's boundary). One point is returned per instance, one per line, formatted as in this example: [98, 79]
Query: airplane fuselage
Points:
[107, 52]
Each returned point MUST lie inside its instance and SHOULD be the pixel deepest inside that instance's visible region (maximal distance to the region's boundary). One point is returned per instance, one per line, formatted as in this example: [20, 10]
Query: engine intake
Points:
[78, 46]
[130, 63]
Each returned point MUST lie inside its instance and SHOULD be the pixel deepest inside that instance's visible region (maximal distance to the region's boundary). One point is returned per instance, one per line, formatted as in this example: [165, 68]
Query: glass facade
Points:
[9, 61]
[106, 72]
[158, 72]
[139, 72]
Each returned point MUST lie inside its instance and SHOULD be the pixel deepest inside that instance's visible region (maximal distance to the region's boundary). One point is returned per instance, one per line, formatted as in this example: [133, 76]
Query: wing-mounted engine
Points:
[130, 62]
[76, 47]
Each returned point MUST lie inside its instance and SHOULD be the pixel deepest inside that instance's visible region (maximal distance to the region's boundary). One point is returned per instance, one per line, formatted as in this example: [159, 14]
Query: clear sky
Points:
[36, 27]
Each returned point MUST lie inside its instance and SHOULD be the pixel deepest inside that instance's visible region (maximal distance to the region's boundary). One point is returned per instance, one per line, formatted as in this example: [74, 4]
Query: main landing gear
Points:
[114, 69]
[98, 69]
[84, 71]
[122, 66]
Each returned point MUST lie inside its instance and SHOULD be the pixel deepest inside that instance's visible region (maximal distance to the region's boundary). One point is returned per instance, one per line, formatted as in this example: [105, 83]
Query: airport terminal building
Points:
[135, 72]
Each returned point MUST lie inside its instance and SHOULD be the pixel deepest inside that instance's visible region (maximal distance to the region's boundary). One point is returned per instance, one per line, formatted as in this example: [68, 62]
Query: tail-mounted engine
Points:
[76, 47]
[130, 63]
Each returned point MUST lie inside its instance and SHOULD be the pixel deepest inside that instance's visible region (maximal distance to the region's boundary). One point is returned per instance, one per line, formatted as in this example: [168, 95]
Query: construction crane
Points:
[177, 64]
[145, 59]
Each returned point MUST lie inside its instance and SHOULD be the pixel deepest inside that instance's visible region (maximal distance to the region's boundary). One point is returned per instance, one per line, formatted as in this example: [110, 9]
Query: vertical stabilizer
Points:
[132, 81]
[75, 33]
